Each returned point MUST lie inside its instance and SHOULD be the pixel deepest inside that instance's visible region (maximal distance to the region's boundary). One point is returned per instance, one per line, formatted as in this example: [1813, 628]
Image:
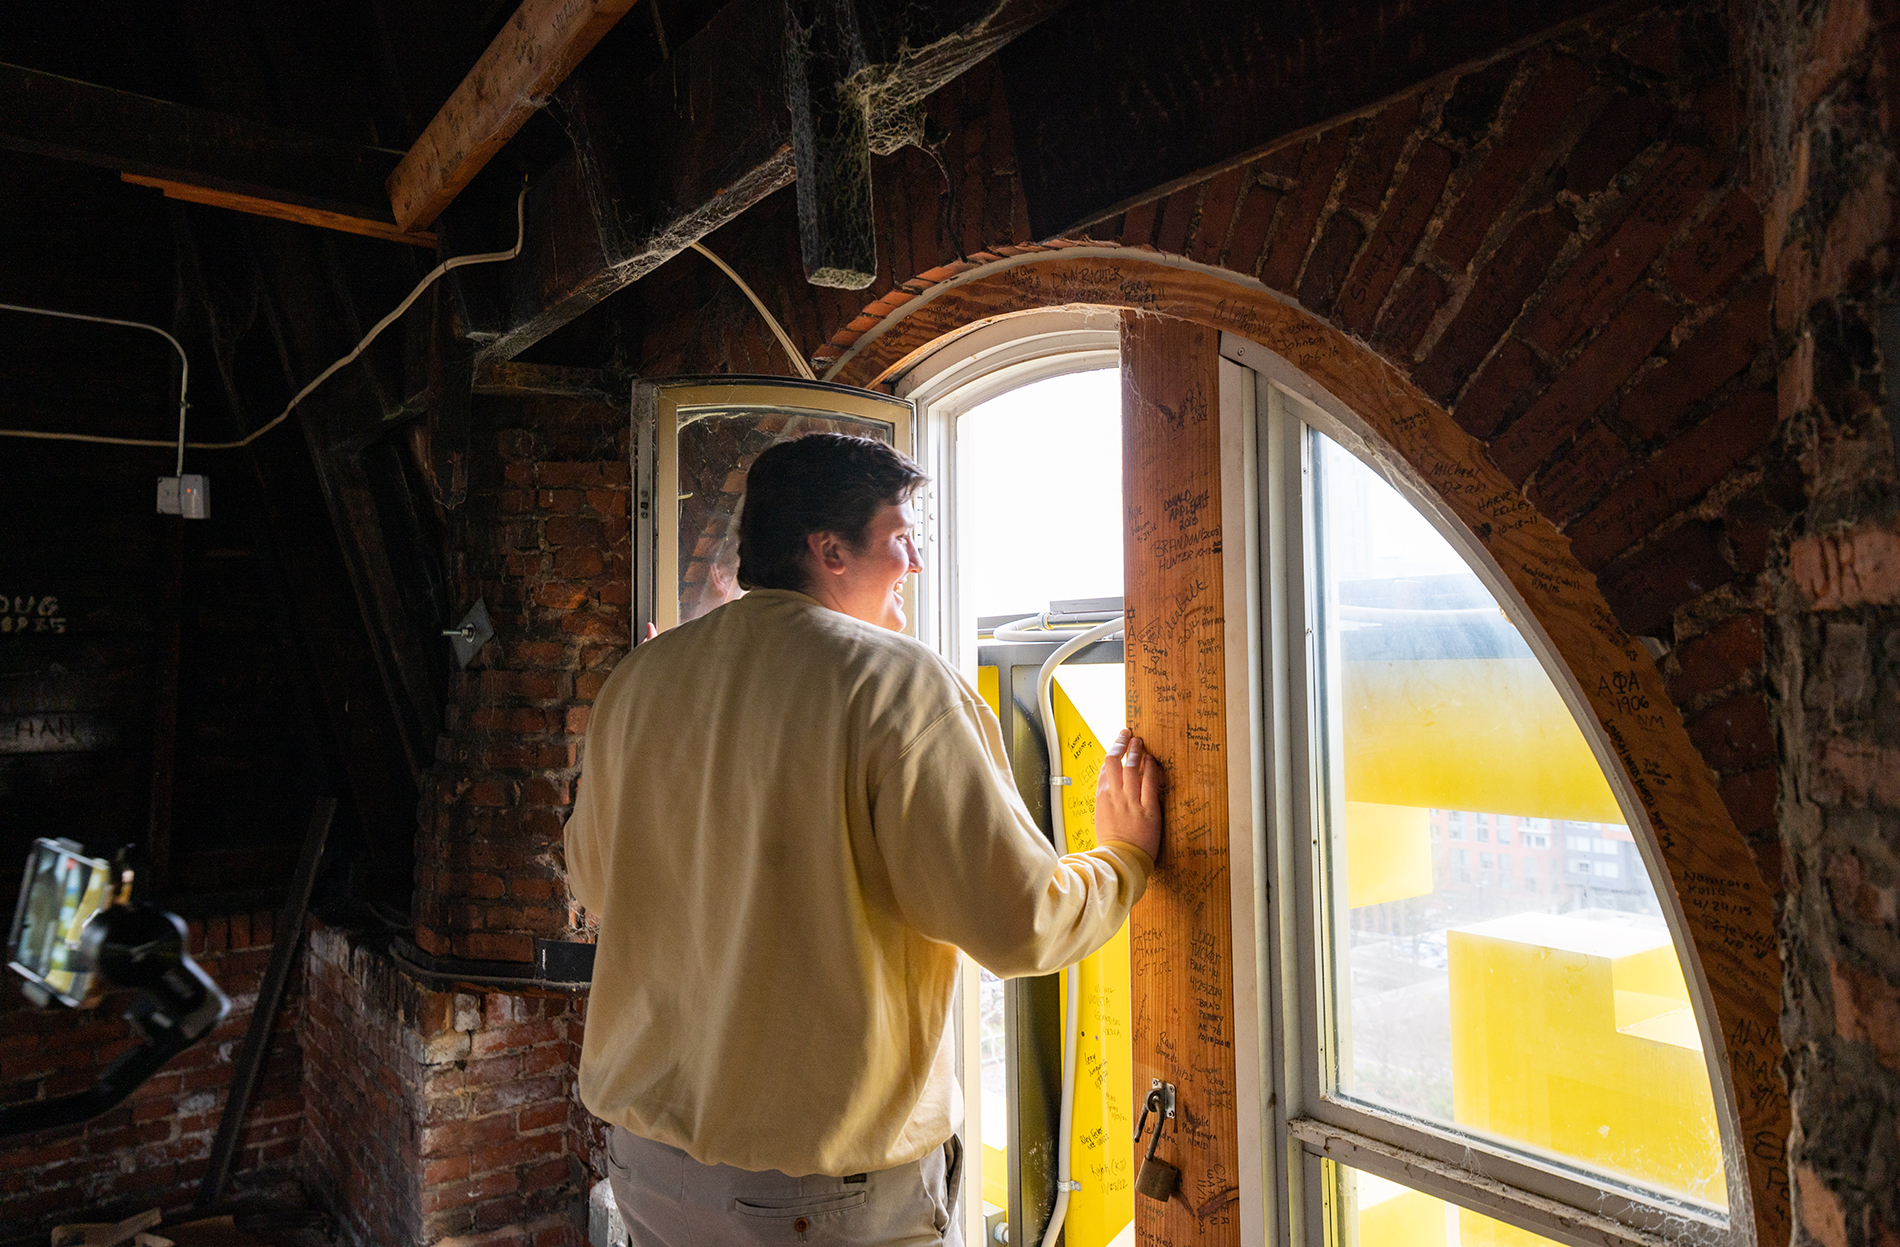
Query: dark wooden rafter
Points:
[201, 155]
[534, 53]
[660, 163]
[831, 142]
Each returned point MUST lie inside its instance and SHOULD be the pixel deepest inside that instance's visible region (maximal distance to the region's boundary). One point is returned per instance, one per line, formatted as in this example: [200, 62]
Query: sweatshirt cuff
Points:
[1133, 856]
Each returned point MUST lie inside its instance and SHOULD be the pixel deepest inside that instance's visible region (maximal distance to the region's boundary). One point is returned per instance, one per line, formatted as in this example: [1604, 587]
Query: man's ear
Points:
[826, 551]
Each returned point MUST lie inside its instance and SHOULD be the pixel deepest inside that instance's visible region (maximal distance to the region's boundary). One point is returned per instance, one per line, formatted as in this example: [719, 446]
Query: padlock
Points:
[1156, 1178]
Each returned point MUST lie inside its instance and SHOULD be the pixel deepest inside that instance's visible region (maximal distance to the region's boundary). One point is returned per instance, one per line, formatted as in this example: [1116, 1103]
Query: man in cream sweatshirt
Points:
[790, 818]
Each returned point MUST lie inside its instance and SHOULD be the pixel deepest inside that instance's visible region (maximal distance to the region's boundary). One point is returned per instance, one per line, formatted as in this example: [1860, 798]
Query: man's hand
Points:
[1128, 796]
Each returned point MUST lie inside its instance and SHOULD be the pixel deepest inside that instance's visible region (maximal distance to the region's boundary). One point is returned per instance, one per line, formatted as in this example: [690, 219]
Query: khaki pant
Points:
[668, 1199]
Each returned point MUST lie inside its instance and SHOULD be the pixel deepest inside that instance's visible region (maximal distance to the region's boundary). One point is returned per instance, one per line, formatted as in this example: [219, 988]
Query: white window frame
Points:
[1276, 837]
[969, 370]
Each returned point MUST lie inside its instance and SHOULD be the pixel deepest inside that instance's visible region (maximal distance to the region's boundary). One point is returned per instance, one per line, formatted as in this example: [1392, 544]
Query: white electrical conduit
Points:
[1045, 708]
[778, 330]
[434, 275]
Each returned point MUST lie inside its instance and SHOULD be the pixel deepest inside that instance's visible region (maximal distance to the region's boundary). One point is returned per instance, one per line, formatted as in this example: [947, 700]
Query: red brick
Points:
[1721, 347]
[1509, 379]
[543, 653]
[1217, 214]
[1678, 475]
[1409, 314]
[1293, 235]
[1645, 589]
[1138, 225]
[465, 1136]
[1629, 125]
[561, 595]
[541, 1116]
[1495, 299]
[1252, 220]
[517, 501]
[487, 946]
[1734, 735]
[570, 530]
[1382, 140]
[516, 1151]
[1540, 115]
[1337, 245]
[1719, 247]
[1726, 653]
[1395, 236]
[1596, 374]
[1584, 295]
[1858, 567]
[1177, 217]
[1571, 480]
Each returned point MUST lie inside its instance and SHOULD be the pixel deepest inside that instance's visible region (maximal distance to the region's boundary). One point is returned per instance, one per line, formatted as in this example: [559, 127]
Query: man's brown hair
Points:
[818, 483]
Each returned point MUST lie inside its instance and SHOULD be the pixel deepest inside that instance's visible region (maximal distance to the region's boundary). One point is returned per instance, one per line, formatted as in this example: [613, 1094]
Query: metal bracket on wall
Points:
[471, 634]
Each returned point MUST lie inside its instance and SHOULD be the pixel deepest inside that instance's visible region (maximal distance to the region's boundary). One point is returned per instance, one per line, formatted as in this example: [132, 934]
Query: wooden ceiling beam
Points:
[533, 54]
[663, 162]
[201, 155]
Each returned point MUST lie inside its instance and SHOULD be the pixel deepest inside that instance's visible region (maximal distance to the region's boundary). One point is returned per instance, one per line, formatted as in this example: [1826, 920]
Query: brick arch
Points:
[1723, 898]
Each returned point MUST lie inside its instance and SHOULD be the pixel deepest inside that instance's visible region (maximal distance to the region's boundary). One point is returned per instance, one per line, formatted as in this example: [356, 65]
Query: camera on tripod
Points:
[76, 932]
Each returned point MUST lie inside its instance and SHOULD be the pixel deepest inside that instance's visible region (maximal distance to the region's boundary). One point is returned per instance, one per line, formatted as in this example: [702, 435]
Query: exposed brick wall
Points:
[1822, 101]
[444, 1116]
[152, 1150]
[544, 539]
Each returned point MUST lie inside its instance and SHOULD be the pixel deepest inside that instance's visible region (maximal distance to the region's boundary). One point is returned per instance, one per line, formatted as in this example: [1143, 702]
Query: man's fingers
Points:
[1153, 781]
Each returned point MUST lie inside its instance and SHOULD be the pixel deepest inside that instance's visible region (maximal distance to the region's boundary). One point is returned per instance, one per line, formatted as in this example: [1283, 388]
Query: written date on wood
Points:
[30, 612]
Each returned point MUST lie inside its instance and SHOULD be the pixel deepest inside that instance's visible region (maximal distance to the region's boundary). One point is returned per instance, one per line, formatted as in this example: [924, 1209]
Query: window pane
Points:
[715, 450]
[1378, 1213]
[1552, 1017]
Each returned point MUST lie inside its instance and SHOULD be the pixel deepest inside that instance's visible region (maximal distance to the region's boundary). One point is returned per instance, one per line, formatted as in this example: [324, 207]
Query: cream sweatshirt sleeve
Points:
[969, 868]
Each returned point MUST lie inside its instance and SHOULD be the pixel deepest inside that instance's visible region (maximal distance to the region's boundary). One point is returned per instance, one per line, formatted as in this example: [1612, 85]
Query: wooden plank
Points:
[1725, 904]
[296, 213]
[1181, 935]
[533, 54]
[196, 147]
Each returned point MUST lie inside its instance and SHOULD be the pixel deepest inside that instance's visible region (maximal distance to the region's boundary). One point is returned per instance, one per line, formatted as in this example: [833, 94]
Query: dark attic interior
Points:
[352, 353]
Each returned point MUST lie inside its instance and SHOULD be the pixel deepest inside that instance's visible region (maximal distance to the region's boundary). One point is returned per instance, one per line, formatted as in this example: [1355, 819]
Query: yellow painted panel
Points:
[1388, 852]
[1542, 1053]
[1469, 734]
[1391, 1215]
[995, 1176]
[988, 682]
[1102, 1148]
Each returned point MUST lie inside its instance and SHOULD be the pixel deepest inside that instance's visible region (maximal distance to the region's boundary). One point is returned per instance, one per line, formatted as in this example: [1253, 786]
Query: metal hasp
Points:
[1157, 1178]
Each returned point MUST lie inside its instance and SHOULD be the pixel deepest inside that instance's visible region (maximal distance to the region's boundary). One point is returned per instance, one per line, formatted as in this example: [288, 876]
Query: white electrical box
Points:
[188, 495]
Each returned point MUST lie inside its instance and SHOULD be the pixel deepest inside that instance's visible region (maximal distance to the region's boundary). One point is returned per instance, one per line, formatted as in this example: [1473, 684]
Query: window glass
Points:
[1378, 1213]
[715, 450]
[1556, 1021]
[1038, 519]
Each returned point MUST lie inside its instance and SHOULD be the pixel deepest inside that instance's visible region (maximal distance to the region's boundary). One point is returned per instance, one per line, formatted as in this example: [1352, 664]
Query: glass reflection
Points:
[1500, 961]
[716, 448]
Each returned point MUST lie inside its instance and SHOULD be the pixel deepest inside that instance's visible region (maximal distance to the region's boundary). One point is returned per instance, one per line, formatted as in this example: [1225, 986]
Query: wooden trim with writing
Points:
[1727, 908]
[1181, 936]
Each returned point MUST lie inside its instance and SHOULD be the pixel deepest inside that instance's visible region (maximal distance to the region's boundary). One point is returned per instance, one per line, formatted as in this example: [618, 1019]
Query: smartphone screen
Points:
[61, 891]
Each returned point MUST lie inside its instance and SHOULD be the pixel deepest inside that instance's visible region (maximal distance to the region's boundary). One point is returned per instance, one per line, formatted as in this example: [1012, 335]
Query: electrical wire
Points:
[778, 330]
[1058, 825]
[184, 382]
[434, 275]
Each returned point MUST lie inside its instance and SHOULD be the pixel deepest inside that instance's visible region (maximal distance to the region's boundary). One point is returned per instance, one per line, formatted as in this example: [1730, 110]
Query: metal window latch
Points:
[1157, 1178]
